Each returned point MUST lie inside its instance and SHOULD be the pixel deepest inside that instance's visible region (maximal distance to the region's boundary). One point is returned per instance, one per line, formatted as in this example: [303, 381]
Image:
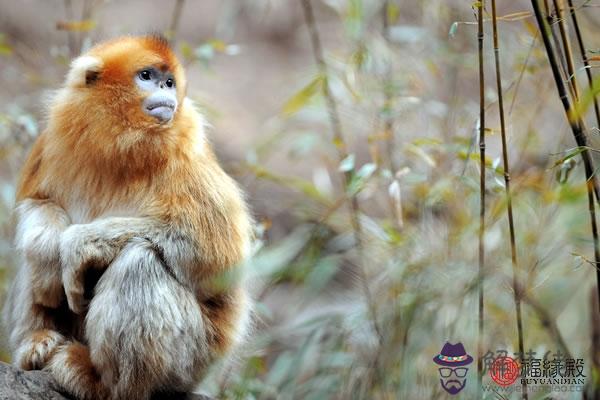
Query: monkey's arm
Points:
[96, 244]
[39, 226]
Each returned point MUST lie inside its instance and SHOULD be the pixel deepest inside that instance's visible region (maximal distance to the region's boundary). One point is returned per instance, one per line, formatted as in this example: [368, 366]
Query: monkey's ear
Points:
[85, 71]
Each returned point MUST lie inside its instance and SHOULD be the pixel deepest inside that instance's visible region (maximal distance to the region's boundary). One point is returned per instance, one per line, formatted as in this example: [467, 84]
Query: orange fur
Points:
[101, 156]
[80, 376]
[106, 152]
[41, 346]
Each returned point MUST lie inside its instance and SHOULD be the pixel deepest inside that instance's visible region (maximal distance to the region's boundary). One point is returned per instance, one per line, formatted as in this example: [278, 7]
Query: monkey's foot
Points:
[37, 349]
[72, 369]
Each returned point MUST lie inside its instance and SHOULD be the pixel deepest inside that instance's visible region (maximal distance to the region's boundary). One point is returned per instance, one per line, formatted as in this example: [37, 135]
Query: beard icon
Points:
[453, 386]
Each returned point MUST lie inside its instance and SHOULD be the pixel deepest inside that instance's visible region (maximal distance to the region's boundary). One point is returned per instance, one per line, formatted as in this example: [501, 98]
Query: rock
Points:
[17, 384]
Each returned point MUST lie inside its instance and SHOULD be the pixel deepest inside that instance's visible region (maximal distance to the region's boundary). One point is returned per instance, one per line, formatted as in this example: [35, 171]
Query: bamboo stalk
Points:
[509, 209]
[584, 58]
[594, 313]
[562, 57]
[338, 138]
[564, 34]
[481, 266]
[551, 20]
[596, 298]
[576, 124]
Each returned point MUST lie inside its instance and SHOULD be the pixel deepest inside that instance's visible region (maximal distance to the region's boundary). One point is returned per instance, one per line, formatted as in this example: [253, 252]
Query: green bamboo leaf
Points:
[360, 179]
[393, 11]
[570, 154]
[563, 173]
[366, 170]
[76, 26]
[347, 164]
[586, 100]
[5, 48]
[218, 45]
[323, 271]
[359, 57]
[453, 29]
[299, 184]
[418, 151]
[205, 52]
[280, 371]
[425, 141]
[186, 50]
[355, 95]
[304, 96]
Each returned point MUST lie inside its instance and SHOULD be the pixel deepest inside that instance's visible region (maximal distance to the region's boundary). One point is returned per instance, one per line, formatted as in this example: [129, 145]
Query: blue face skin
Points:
[161, 99]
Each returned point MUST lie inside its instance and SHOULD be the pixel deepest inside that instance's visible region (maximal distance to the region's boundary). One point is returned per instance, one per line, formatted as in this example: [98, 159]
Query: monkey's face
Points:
[159, 88]
[131, 84]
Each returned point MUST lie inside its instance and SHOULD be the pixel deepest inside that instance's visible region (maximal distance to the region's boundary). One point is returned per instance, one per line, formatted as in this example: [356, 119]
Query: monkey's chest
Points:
[87, 207]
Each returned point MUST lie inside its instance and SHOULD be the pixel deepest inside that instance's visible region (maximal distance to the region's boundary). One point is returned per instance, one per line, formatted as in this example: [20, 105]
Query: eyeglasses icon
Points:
[447, 372]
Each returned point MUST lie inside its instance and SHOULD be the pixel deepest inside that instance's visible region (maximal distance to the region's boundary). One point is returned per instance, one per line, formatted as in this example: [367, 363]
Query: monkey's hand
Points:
[93, 246]
[83, 247]
[39, 226]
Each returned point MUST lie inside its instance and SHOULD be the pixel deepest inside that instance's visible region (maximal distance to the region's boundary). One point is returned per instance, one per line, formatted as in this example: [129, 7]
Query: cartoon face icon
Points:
[453, 371]
[453, 380]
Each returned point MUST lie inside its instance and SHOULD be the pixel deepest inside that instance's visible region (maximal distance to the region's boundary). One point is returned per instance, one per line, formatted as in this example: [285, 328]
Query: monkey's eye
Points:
[170, 83]
[145, 75]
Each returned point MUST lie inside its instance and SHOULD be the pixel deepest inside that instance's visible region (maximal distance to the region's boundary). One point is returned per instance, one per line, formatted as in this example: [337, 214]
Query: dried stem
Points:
[481, 196]
[388, 93]
[549, 323]
[522, 73]
[336, 127]
[511, 225]
[174, 26]
[87, 14]
[70, 38]
[576, 123]
[388, 126]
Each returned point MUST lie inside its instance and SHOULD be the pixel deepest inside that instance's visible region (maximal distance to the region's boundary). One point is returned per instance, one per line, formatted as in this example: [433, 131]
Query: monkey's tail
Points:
[73, 371]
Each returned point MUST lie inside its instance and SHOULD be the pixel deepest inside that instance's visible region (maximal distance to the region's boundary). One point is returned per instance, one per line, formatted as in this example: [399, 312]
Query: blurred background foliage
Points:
[367, 258]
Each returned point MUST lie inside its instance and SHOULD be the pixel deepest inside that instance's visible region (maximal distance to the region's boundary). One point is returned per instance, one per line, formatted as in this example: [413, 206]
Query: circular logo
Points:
[504, 371]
